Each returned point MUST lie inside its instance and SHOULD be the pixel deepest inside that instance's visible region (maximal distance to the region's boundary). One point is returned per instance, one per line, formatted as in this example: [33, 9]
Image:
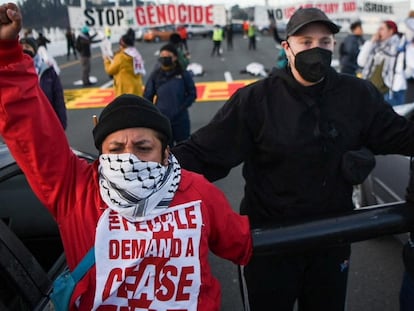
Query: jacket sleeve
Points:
[384, 131]
[149, 90]
[230, 236]
[364, 53]
[34, 134]
[59, 100]
[190, 90]
[222, 144]
[112, 67]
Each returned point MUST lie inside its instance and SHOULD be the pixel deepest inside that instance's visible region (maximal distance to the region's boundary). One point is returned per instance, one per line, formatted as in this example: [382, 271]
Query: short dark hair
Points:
[355, 24]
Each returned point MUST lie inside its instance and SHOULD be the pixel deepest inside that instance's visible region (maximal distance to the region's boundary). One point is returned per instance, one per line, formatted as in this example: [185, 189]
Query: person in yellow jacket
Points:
[251, 34]
[127, 68]
[218, 36]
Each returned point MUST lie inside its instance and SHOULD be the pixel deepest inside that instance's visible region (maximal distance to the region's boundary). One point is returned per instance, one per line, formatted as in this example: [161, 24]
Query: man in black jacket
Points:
[349, 49]
[292, 132]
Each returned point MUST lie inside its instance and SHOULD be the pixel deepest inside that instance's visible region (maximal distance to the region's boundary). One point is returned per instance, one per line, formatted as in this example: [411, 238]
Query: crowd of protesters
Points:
[385, 61]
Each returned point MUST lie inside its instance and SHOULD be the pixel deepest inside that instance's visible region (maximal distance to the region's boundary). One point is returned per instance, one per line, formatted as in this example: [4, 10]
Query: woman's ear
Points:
[166, 156]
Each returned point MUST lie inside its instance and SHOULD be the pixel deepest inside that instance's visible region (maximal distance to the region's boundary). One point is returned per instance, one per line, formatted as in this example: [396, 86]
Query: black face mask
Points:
[30, 53]
[313, 64]
[166, 61]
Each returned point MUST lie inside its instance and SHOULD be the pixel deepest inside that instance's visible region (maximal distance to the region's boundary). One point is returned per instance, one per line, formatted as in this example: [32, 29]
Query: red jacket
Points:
[68, 187]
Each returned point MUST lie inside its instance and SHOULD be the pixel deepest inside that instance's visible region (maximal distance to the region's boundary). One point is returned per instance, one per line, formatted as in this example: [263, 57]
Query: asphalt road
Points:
[376, 266]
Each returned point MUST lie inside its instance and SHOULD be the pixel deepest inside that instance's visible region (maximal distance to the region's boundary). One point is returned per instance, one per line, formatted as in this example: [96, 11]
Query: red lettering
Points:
[140, 226]
[167, 292]
[114, 276]
[171, 13]
[209, 15]
[151, 15]
[198, 14]
[180, 224]
[162, 18]
[190, 248]
[114, 249]
[349, 6]
[190, 215]
[190, 14]
[140, 15]
[176, 246]
[113, 221]
[138, 248]
[182, 13]
[125, 249]
[184, 282]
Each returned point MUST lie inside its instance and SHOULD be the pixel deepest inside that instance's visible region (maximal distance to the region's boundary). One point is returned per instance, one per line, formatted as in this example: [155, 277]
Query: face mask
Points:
[166, 62]
[30, 53]
[313, 64]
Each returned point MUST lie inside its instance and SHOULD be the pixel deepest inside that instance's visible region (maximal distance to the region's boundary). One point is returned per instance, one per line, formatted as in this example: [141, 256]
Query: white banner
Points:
[342, 11]
[146, 15]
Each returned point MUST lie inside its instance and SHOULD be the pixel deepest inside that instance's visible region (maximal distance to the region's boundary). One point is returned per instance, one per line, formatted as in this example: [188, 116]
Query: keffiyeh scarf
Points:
[139, 68]
[137, 190]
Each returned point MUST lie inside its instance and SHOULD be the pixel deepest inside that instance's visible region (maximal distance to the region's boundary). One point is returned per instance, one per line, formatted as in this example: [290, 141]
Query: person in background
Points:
[70, 43]
[228, 33]
[251, 35]
[135, 195]
[183, 56]
[173, 91]
[349, 49]
[83, 45]
[108, 33]
[131, 33]
[245, 28]
[275, 33]
[296, 134]
[217, 38]
[48, 79]
[42, 40]
[281, 61]
[409, 70]
[127, 68]
[182, 31]
[383, 61]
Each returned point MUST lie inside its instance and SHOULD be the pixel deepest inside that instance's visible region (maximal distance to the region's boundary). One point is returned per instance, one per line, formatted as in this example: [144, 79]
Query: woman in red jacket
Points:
[151, 223]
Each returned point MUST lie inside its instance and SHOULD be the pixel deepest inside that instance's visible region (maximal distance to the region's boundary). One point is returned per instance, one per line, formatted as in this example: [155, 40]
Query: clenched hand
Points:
[10, 21]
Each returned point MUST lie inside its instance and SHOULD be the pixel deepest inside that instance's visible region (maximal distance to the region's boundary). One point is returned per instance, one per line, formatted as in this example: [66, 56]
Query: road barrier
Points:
[354, 226]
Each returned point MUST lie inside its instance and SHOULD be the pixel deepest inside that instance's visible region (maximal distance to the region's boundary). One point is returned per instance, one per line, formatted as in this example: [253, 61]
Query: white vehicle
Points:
[194, 30]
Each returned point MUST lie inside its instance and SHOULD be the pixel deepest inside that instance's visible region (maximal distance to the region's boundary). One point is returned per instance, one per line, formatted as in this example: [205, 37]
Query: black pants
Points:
[216, 48]
[317, 280]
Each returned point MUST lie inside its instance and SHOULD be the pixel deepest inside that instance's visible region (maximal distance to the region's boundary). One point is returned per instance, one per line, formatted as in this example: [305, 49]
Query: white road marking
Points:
[228, 77]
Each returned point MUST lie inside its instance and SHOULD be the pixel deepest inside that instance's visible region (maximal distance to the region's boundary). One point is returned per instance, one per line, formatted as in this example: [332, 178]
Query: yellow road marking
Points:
[97, 98]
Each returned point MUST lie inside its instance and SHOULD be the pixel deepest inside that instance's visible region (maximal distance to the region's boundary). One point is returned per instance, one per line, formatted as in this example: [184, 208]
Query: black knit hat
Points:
[30, 41]
[128, 111]
[170, 48]
[128, 40]
[305, 16]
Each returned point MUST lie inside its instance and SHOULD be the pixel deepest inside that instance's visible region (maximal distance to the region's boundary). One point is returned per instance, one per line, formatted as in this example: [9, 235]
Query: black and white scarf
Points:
[137, 190]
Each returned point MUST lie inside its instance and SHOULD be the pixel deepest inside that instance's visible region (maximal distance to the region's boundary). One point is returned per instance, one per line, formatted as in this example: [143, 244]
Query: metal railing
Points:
[347, 227]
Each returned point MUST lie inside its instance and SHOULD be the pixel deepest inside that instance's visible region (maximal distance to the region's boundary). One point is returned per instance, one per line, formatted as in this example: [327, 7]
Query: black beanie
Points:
[128, 40]
[170, 48]
[128, 111]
